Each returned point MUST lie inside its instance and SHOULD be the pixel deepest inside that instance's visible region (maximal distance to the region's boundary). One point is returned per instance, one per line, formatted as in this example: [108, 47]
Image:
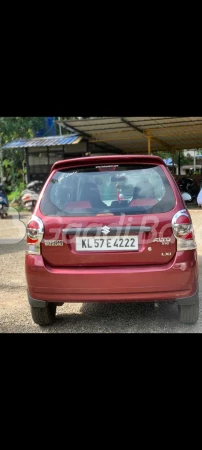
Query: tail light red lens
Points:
[183, 231]
[26, 197]
[35, 231]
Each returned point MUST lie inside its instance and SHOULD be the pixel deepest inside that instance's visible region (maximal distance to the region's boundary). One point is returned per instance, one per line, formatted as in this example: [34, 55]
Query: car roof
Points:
[112, 159]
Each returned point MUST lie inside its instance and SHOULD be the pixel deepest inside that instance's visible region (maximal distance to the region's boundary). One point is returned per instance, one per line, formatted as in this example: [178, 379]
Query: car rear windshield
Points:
[116, 189]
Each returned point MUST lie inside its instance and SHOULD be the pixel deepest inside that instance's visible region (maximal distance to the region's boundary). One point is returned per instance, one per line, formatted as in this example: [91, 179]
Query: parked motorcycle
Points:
[35, 186]
[187, 184]
[29, 199]
[3, 203]
[186, 197]
[30, 195]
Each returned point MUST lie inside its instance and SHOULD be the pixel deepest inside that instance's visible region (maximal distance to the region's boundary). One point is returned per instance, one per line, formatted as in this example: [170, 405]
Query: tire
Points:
[44, 316]
[28, 208]
[3, 213]
[189, 313]
[33, 205]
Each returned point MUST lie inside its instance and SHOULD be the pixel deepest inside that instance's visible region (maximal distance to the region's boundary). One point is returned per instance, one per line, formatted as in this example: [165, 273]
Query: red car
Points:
[88, 243]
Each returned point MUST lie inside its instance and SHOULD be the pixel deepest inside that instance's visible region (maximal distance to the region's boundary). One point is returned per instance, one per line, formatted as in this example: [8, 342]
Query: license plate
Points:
[103, 244]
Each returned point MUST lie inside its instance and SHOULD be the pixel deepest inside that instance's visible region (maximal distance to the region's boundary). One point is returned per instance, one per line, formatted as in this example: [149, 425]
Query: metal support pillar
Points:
[173, 161]
[179, 163]
[149, 144]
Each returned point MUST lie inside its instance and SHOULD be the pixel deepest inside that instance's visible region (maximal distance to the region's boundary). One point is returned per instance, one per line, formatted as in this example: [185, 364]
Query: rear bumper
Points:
[176, 280]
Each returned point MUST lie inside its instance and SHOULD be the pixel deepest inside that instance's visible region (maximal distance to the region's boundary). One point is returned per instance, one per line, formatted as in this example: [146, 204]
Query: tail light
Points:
[183, 231]
[34, 231]
[25, 197]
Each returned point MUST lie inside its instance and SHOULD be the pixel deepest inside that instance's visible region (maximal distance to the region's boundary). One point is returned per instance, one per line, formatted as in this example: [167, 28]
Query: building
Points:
[112, 135]
[42, 153]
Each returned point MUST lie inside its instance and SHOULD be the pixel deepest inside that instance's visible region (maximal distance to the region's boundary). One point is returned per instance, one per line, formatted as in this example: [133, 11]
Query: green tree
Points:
[13, 159]
[19, 127]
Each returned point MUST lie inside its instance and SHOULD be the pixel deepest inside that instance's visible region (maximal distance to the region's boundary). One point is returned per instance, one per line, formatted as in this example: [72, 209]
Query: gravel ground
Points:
[15, 314]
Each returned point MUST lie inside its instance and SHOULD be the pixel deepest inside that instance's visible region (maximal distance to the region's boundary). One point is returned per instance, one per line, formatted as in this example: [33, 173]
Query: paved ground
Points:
[15, 314]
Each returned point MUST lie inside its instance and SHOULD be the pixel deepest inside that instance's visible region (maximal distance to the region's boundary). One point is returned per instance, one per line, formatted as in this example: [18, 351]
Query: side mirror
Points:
[186, 197]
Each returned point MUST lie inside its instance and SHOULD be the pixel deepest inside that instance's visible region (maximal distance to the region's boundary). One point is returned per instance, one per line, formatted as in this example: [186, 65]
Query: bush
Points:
[16, 193]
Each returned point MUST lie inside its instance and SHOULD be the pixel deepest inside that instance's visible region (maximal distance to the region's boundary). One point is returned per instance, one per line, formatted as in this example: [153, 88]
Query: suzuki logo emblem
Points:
[105, 230]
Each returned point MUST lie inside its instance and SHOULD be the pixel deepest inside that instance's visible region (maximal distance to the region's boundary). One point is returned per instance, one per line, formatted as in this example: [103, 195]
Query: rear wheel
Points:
[189, 313]
[33, 205]
[3, 212]
[28, 207]
[44, 316]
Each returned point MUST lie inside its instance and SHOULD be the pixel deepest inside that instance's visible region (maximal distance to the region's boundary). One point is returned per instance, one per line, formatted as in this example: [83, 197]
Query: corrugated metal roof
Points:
[129, 134]
[50, 141]
[169, 162]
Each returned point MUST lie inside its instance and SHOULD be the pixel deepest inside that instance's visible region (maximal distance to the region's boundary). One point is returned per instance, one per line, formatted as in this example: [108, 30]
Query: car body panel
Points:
[175, 279]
